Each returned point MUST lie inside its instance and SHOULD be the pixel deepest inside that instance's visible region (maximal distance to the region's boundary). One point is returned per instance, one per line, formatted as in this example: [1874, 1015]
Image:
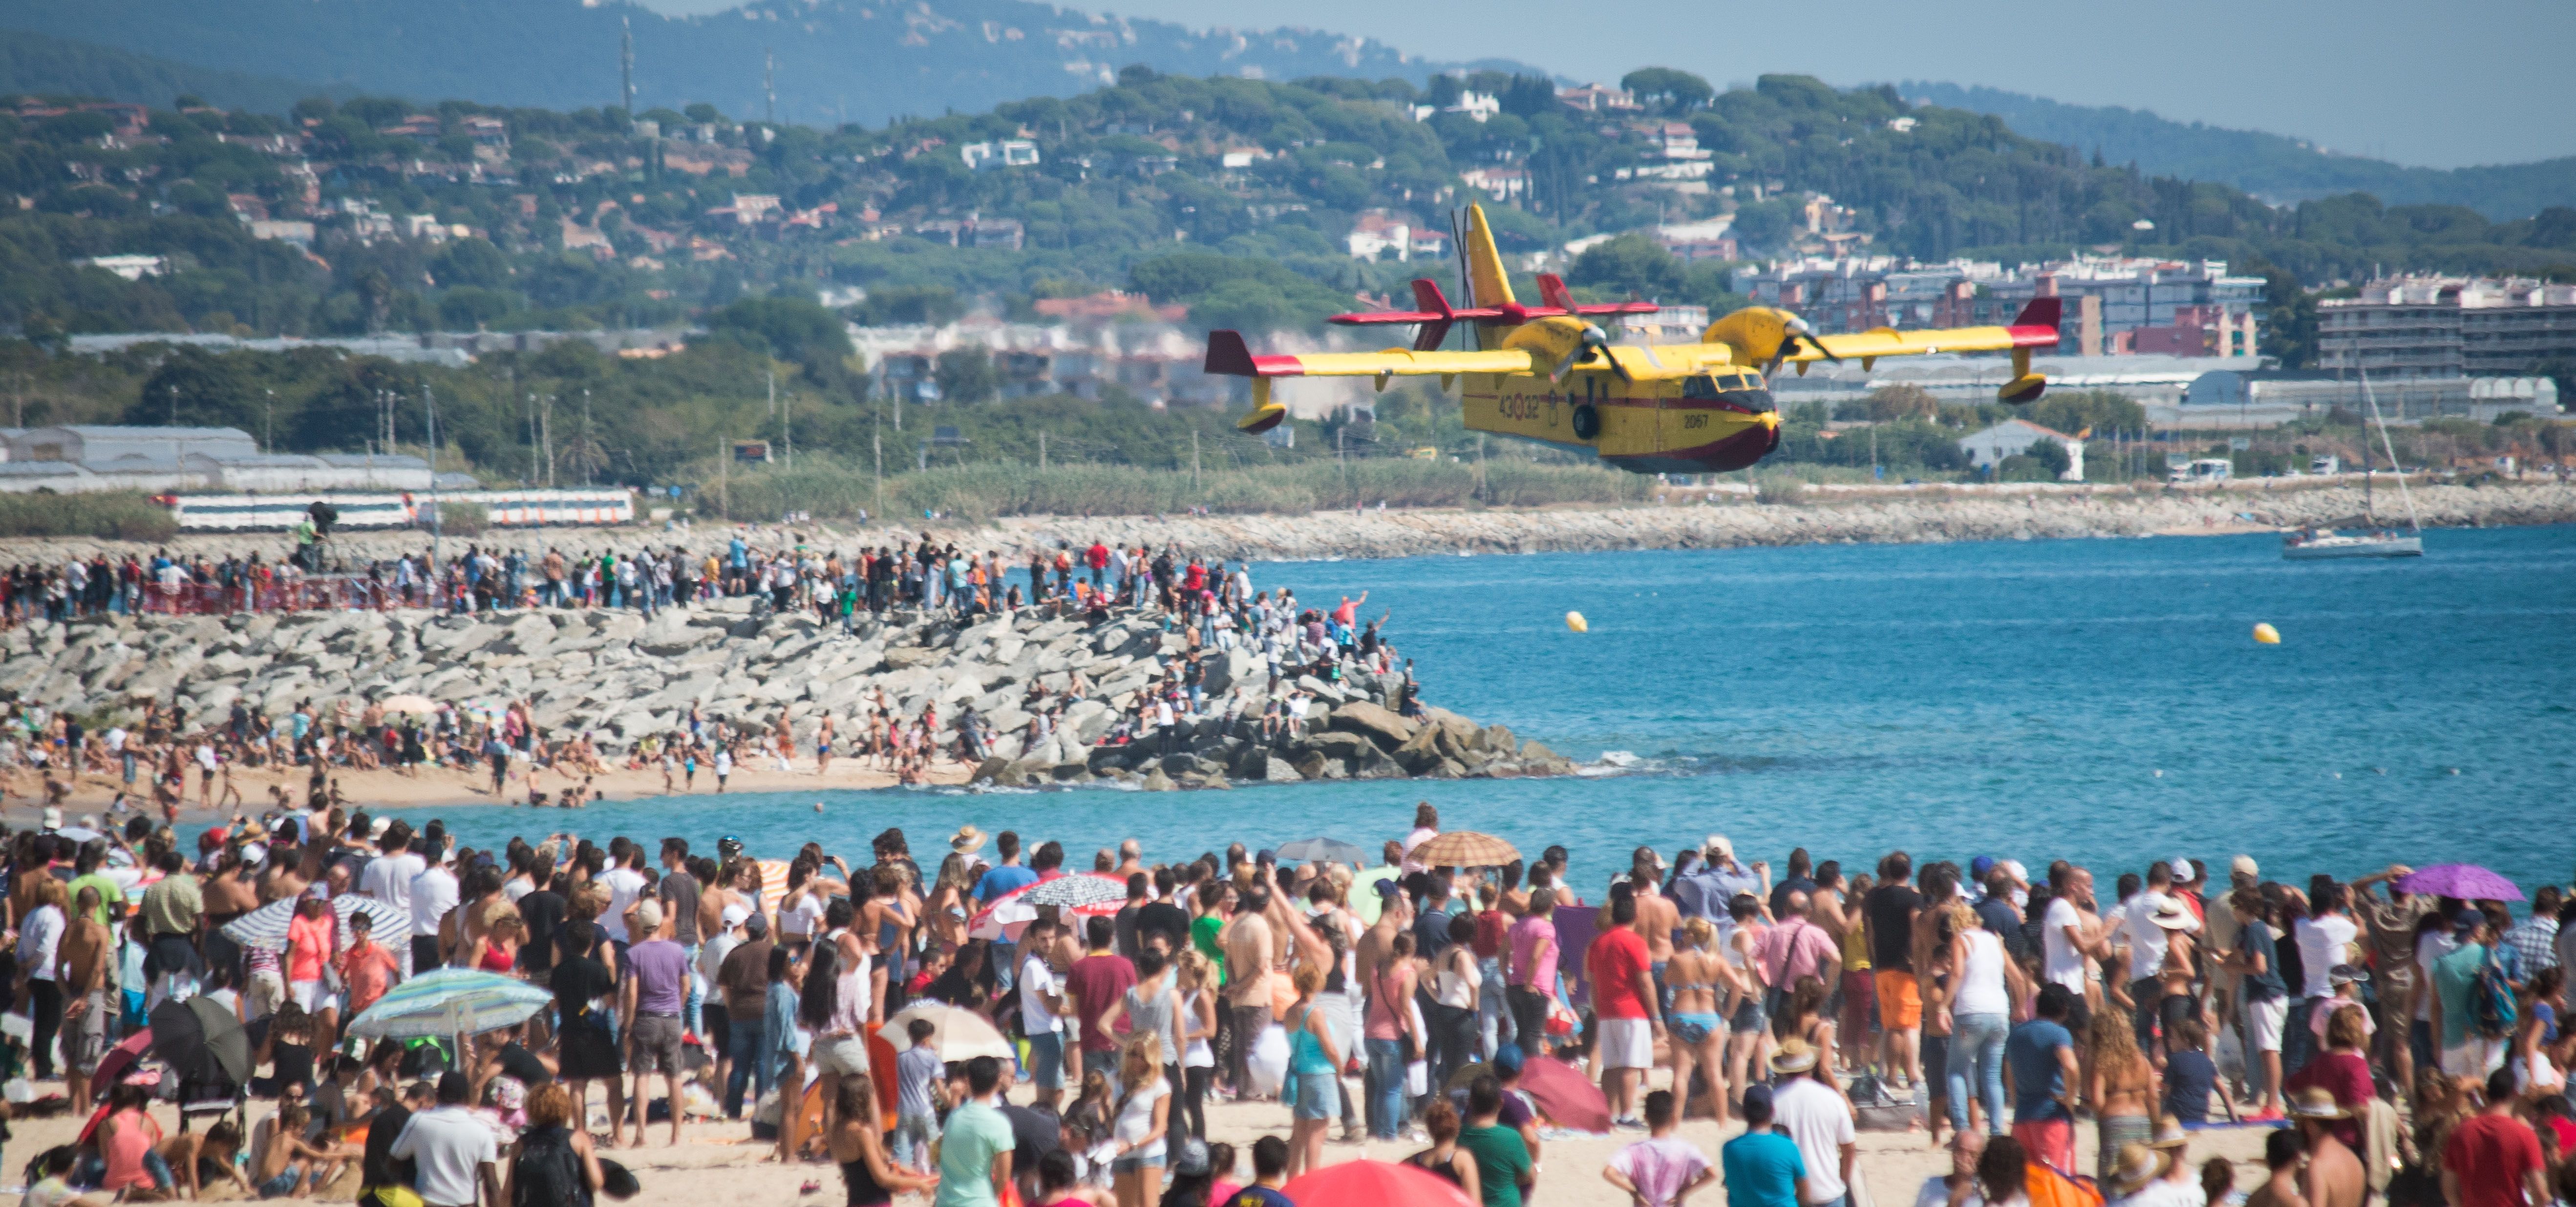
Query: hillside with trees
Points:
[1228, 195]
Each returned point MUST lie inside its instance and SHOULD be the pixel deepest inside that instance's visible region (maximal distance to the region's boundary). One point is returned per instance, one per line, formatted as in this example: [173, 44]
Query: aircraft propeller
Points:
[1594, 342]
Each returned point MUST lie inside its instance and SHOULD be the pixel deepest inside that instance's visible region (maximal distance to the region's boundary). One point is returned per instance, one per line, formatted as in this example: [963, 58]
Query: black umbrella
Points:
[1328, 850]
[201, 1042]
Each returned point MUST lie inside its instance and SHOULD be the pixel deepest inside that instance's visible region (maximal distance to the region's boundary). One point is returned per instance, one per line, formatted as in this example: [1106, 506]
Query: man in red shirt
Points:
[1096, 557]
[1097, 981]
[2493, 1159]
[1626, 1004]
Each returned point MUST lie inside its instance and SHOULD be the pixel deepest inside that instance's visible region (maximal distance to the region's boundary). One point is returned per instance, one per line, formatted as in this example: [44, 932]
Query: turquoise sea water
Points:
[2096, 700]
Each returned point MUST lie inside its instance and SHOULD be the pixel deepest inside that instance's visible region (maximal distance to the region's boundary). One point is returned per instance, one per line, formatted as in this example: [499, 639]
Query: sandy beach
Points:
[714, 1163]
[449, 787]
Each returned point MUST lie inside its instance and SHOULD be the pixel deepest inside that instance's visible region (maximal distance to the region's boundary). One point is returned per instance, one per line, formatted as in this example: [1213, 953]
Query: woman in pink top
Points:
[1530, 979]
[312, 938]
[125, 1139]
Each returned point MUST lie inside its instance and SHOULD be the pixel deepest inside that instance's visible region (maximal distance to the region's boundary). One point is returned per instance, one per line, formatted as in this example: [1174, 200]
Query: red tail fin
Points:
[1228, 357]
[2041, 312]
[1552, 292]
[1427, 296]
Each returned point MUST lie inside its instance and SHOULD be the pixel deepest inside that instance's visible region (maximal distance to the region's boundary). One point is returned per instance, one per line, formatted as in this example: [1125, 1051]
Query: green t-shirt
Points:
[974, 1135]
[111, 899]
[1204, 930]
[1502, 1160]
[2455, 977]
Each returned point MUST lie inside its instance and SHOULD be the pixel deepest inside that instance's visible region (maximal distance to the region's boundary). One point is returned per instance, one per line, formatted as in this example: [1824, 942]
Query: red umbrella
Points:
[1563, 1094]
[118, 1061]
[1376, 1182]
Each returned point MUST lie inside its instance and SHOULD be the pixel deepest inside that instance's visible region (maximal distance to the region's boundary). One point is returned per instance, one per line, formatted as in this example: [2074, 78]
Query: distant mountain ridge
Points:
[2274, 167]
[31, 62]
[835, 60]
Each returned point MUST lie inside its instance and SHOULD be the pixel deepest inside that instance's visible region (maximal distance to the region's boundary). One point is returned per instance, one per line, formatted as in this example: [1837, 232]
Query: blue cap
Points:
[1507, 1057]
[1757, 1095]
[1981, 865]
[1387, 887]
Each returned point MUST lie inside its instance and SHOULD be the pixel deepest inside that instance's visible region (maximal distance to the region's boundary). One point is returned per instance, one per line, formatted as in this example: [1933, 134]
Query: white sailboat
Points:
[2312, 544]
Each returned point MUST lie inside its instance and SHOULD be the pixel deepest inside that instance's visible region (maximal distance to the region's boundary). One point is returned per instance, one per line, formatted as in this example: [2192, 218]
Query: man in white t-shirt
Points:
[458, 1156]
[625, 883]
[388, 876]
[2066, 941]
[433, 892]
[1042, 1005]
[2147, 946]
[1816, 1118]
[2325, 939]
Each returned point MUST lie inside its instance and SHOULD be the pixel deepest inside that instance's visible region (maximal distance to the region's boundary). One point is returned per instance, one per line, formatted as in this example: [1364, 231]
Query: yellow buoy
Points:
[1575, 622]
[2265, 634]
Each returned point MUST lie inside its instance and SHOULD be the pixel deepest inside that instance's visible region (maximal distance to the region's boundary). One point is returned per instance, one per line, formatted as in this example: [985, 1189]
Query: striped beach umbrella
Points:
[1084, 888]
[450, 1001]
[265, 927]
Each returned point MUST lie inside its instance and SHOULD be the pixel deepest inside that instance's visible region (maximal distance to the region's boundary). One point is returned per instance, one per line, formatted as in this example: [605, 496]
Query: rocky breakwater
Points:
[622, 677]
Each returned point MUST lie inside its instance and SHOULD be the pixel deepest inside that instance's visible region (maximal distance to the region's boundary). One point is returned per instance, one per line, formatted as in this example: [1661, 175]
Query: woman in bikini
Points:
[2121, 1087]
[1701, 982]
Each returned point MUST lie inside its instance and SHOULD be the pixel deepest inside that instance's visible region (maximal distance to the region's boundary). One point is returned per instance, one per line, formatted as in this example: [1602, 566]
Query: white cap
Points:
[2014, 869]
[53, 817]
[648, 914]
[2182, 872]
[734, 914]
[1718, 847]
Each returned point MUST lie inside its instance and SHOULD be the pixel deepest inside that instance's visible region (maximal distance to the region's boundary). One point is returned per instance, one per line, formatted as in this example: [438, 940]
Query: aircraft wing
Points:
[2034, 327]
[1227, 356]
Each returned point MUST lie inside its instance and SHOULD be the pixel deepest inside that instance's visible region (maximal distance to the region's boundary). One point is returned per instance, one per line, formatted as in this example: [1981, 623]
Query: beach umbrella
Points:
[200, 1041]
[117, 1061]
[1323, 850]
[1465, 849]
[410, 703]
[1563, 1094]
[450, 1001]
[2466, 881]
[959, 1033]
[1011, 913]
[77, 833]
[265, 927]
[1069, 892]
[1376, 1182]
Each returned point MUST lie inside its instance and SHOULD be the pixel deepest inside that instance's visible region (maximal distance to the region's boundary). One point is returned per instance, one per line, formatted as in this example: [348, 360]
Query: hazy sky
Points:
[2437, 84]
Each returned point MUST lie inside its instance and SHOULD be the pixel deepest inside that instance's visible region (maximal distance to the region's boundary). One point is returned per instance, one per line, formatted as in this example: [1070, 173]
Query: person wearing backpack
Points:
[2473, 1009]
[556, 1165]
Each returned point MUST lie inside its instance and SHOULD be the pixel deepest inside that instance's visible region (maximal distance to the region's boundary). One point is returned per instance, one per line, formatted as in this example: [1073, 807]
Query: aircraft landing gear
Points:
[1587, 421]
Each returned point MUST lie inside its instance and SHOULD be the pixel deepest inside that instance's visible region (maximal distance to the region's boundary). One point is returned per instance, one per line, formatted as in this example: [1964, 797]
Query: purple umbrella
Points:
[2466, 881]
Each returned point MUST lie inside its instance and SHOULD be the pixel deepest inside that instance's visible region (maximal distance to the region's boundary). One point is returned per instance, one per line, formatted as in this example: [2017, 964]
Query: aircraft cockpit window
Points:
[1703, 388]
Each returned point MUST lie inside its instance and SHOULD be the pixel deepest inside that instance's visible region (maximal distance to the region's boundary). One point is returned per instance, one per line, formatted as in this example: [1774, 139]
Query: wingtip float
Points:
[1546, 373]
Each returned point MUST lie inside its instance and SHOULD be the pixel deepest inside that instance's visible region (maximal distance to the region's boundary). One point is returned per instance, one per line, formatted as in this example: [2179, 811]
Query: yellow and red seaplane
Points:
[1548, 373]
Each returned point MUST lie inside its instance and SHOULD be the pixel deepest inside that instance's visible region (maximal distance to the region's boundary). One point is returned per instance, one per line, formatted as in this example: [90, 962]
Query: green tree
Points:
[473, 261]
[1667, 88]
[1632, 263]
[789, 328]
[967, 375]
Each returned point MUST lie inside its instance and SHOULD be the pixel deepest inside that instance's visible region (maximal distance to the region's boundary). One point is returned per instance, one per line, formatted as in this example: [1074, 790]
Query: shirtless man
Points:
[1250, 951]
[2335, 1177]
[1657, 916]
[2283, 1152]
[83, 957]
[823, 747]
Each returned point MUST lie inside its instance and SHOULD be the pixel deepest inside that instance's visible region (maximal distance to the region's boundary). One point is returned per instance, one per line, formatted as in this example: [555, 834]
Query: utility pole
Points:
[429, 421]
[1041, 451]
[769, 85]
[174, 405]
[1194, 458]
[546, 435]
[268, 424]
[724, 466]
[536, 475]
[589, 450]
[787, 426]
[626, 67]
[876, 446]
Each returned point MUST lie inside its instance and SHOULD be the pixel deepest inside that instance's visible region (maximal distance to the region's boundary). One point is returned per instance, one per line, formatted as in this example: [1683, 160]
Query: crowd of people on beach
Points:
[2400, 1029]
[155, 760]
